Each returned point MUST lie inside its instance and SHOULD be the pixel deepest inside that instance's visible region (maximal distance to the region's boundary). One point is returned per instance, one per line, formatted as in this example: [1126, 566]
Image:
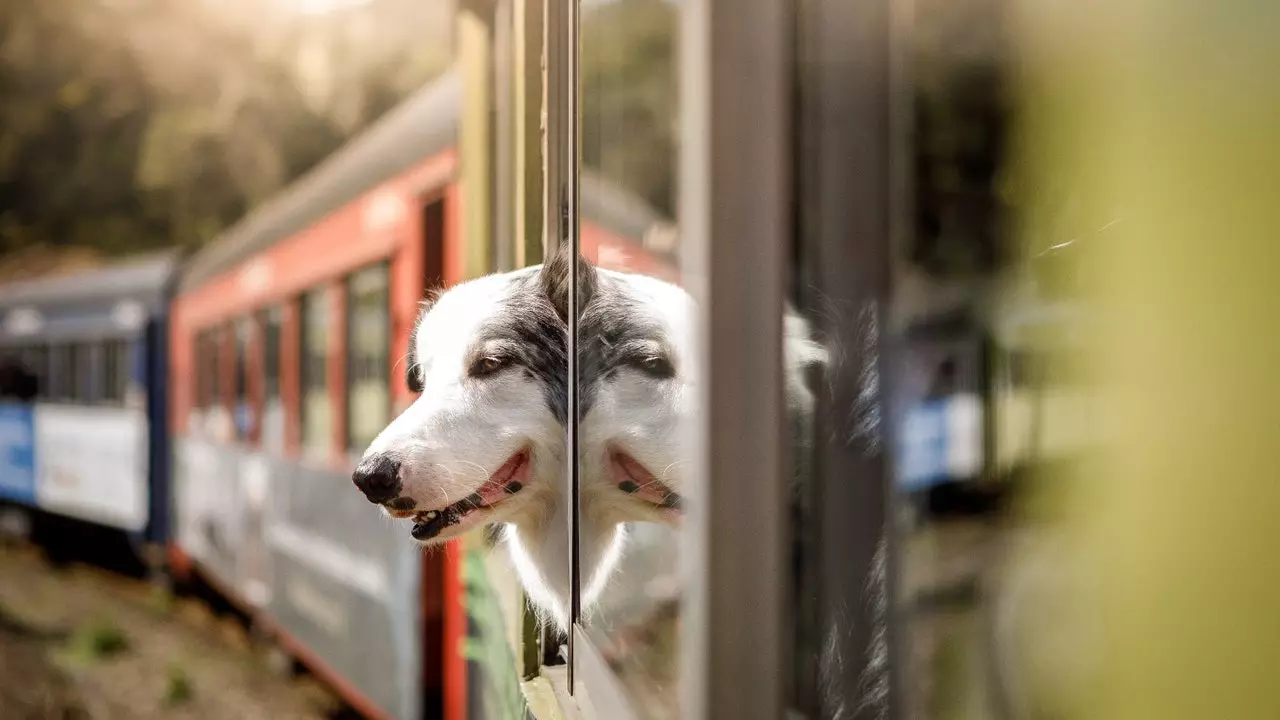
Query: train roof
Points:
[105, 301]
[420, 127]
[143, 279]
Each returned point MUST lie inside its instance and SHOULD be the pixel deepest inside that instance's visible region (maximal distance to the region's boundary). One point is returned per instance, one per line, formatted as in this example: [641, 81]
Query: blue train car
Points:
[83, 374]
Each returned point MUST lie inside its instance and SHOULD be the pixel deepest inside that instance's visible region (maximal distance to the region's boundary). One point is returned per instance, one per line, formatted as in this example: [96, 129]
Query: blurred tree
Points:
[128, 125]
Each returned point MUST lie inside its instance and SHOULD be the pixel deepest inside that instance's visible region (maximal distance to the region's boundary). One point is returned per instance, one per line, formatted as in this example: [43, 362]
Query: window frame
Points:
[735, 214]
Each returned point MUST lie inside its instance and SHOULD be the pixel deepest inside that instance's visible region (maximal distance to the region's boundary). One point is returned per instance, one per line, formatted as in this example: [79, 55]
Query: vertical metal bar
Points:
[735, 217]
[562, 206]
[571, 218]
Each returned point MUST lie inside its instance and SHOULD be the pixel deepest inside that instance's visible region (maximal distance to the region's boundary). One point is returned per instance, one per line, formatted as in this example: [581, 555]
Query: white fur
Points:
[644, 416]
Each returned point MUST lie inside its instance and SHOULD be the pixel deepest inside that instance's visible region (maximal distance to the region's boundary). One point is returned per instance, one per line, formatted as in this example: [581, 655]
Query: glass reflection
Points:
[633, 343]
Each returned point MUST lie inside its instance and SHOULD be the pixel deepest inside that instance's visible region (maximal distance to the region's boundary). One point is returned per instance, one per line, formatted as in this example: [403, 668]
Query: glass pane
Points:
[317, 405]
[272, 406]
[632, 346]
[243, 404]
[82, 371]
[213, 369]
[35, 361]
[368, 361]
[40, 367]
[833, 340]
[114, 371]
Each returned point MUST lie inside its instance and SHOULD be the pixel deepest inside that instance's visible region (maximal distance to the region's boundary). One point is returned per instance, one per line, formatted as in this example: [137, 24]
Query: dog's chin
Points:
[647, 498]
[496, 500]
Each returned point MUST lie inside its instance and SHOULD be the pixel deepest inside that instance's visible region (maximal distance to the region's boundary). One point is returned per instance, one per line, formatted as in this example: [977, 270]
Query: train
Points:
[209, 408]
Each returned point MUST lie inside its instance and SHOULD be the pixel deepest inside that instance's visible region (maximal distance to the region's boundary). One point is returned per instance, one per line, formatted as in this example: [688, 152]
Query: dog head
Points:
[483, 442]
[636, 351]
[637, 348]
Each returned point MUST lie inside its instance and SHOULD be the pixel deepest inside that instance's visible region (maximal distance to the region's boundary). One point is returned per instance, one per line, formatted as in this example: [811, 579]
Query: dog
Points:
[484, 442]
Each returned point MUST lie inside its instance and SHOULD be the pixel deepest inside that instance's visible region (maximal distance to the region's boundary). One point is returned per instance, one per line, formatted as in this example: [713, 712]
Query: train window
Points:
[59, 372]
[36, 361]
[80, 368]
[368, 356]
[115, 370]
[270, 321]
[243, 404]
[199, 378]
[630, 459]
[317, 404]
[212, 355]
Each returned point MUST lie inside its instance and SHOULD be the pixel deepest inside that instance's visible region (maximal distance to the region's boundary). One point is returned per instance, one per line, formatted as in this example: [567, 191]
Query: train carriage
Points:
[87, 440]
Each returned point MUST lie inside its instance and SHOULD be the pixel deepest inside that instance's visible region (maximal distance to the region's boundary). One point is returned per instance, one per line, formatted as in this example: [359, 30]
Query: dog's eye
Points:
[657, 366]
[488, 365]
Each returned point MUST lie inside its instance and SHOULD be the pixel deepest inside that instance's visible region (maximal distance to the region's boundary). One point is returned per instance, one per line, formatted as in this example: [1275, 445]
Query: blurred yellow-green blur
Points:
[1162, 120]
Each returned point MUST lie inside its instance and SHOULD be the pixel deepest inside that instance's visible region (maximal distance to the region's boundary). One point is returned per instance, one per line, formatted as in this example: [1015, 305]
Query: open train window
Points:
[79, 367]
[36, 361]
[243, 403]
[114, 357]
[317, 403]
[433, 243]
[368, 356]
[270, 321]
[211, 355]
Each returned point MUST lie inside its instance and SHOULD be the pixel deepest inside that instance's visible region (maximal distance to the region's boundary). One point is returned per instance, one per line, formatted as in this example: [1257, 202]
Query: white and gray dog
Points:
[484, 442]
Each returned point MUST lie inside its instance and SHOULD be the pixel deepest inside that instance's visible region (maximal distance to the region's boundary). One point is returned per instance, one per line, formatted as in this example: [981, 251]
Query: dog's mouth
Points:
[635, 480]
[470, 510]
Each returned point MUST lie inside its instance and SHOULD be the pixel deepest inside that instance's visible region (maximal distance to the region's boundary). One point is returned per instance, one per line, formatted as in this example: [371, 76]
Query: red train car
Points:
[287, 339]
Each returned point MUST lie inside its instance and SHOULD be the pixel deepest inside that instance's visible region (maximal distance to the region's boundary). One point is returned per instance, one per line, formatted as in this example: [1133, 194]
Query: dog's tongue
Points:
[503, 482]
[430, 524]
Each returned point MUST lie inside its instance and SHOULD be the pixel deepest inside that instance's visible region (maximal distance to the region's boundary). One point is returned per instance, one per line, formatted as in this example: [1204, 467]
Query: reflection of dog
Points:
[638, 375]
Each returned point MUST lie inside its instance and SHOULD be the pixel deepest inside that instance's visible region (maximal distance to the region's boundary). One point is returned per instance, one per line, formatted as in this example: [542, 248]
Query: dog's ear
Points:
[554, 279]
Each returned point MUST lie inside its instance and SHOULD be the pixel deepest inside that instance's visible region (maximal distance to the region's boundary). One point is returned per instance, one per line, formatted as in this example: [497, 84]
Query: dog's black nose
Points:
[378, 477]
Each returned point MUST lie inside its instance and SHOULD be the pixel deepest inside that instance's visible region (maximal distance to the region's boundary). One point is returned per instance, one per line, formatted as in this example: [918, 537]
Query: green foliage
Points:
[128, 126]
[161, 601]
[486, 642]
[96, 640]
[177, 687]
